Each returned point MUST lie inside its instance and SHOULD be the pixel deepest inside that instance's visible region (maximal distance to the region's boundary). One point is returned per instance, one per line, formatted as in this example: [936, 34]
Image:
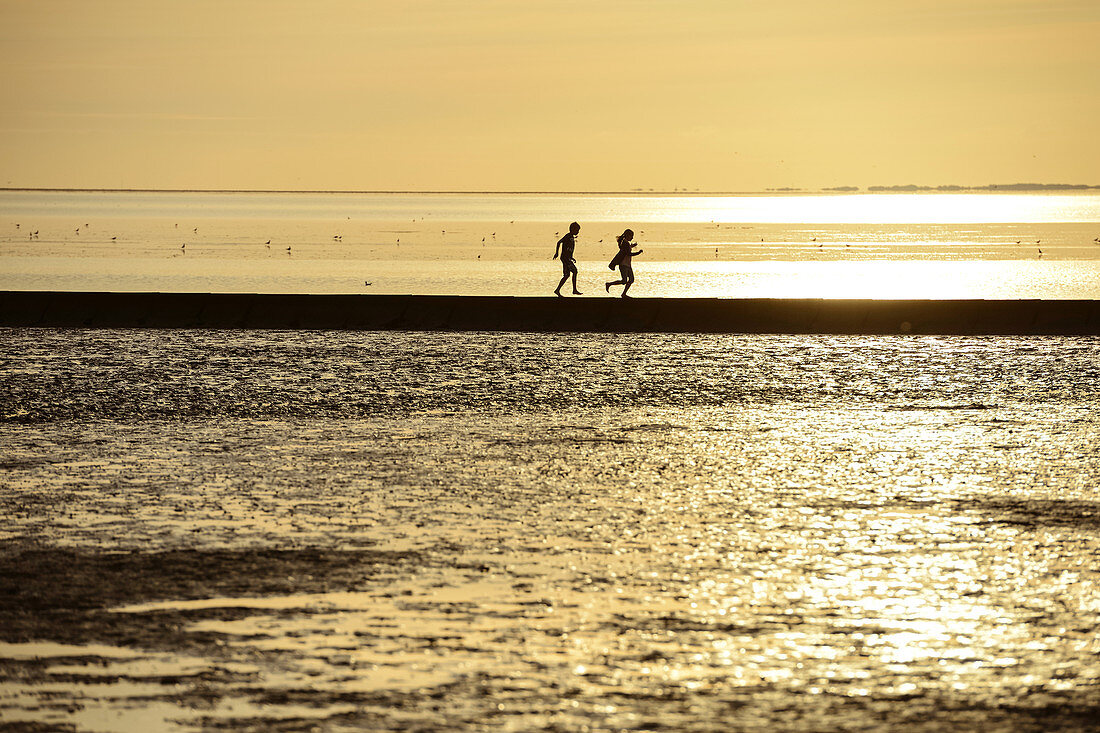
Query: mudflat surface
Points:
[261, 530]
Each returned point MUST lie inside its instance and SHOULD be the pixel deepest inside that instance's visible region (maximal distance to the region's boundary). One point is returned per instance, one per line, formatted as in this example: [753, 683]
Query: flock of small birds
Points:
[443, 232]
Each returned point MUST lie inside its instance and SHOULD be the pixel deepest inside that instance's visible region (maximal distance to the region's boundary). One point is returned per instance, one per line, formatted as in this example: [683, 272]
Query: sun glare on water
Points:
[883, 280]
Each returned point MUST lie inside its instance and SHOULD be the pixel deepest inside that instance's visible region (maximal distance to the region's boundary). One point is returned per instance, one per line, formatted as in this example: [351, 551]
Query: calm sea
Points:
[874, 245]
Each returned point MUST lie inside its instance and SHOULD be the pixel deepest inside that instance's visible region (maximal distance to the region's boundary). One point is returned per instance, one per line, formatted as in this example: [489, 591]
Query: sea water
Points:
[875, 246]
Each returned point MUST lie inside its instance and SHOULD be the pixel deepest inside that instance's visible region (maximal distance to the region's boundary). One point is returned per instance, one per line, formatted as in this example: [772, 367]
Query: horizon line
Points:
[877, 189]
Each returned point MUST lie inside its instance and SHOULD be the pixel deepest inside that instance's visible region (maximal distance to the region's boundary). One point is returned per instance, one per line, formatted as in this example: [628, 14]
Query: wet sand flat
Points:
[286, 530]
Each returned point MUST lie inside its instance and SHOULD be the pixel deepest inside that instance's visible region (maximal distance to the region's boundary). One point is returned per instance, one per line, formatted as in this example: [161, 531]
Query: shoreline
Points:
[52, 309]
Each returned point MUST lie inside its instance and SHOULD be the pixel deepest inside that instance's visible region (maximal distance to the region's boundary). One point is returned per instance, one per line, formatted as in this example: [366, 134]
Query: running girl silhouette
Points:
[622, 260]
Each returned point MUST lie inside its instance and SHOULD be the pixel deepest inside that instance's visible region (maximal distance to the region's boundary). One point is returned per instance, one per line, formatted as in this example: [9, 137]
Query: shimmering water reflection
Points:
[584, 532]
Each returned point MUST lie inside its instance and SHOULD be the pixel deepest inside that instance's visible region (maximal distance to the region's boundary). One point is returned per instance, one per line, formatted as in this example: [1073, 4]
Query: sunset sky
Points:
[720, 95]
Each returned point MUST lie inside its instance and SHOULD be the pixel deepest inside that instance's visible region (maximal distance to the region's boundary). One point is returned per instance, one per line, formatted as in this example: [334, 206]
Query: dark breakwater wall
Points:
[488, 313]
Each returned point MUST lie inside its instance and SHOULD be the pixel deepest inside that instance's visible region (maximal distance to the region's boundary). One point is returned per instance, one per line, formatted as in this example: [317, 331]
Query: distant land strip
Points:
[545, 314]
[904, 188]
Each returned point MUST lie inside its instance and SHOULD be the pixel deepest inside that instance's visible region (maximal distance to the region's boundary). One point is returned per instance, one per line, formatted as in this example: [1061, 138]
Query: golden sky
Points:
[721, 95]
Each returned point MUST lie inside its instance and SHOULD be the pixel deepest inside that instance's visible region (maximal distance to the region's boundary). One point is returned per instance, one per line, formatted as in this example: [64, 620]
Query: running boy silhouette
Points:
[568, 265]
